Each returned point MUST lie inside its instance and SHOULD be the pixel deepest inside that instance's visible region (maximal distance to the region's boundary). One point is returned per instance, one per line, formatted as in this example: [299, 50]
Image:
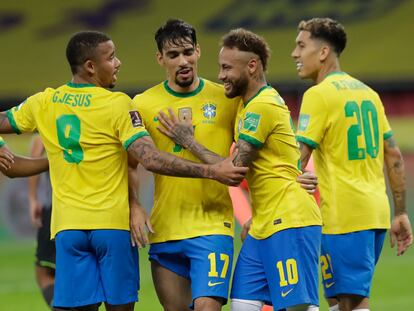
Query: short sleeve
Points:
[312, 119]
[386, 128]
[127, 121]
[258, 122]
[22, 117]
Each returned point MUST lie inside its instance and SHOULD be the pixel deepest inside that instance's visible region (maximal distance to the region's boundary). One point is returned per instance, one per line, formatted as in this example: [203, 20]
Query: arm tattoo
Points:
[246, 153]
[143, 149]
[396, 174]
[5, 126]
[203, 153]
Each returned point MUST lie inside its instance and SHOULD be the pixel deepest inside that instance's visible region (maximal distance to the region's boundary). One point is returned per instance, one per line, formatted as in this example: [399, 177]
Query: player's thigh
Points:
[249, 279]
[45, 249]
[291, 260]
[173, 290]
[78, 280]
[348, 261]
[118, 265]
[211, 259]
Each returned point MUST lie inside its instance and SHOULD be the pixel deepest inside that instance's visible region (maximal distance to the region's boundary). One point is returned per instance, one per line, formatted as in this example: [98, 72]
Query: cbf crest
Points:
[209, 110]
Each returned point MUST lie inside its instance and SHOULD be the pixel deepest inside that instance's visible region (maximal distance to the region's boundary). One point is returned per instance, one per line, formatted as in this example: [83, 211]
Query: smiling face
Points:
[233, 71]
[180, 62]
[105, 65]
[307, 55]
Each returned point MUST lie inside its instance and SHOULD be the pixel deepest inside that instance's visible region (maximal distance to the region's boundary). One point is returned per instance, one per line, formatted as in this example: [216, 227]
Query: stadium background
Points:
[33, 37]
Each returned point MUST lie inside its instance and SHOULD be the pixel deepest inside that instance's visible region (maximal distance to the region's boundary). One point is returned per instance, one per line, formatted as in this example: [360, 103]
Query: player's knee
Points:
[246, 305]
[304, 307]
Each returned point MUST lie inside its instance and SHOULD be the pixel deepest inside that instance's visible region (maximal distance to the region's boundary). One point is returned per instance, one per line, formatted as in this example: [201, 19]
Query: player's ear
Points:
[324, 52]
[89, 67]
[252, 65]
[160, 59]
[198, 50]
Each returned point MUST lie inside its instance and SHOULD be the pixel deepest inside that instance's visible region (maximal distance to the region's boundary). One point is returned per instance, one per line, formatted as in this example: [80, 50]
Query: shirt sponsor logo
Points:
[209, 110]
[303, 122]
[251, 121]
[135, 118]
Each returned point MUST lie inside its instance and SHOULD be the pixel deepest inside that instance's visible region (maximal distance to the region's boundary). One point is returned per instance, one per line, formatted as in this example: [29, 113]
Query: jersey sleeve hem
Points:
[388, 135]
[134, 138]
[307, 141]
[2, 143]
[13, 122]
[251, 140]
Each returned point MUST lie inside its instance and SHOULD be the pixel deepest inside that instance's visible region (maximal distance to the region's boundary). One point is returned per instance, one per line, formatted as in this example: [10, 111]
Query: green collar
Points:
[79, 85]
[333, 73]
[257, 94]
[189, 94]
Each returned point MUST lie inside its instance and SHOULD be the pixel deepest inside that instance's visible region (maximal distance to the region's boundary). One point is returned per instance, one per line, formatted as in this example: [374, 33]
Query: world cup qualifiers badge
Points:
[135, 118]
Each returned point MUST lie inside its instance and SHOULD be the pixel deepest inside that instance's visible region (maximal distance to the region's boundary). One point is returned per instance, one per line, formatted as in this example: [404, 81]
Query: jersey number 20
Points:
[367, 125]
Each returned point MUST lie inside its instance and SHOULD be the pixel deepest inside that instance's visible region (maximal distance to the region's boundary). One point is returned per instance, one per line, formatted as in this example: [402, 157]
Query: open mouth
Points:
[185, 72]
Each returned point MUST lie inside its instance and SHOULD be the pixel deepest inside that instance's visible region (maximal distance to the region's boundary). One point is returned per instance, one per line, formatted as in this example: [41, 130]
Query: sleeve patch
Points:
[303, 122]
[135, 118]
[251, 121]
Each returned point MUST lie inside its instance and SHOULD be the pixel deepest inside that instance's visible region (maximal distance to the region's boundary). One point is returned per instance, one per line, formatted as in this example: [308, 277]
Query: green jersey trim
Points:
[184, 95]
[388, 135]
[257, 94]
[13, 122]
[334, 73]
[134, 138]
[307, 141]
[2, 143]
[251, 140]
[79, 85]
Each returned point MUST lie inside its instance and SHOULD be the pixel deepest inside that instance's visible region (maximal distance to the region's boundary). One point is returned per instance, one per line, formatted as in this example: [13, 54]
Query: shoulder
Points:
[148, 94]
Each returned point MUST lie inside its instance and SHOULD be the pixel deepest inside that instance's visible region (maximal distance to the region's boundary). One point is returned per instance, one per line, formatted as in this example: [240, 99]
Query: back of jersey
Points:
[344, 121]
[85, 131]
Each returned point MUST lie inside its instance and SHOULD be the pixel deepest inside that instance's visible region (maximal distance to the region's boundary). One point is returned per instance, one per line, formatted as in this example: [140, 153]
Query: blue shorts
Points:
[348, 261]
[281, 270]
[206, 261]
[95, 266]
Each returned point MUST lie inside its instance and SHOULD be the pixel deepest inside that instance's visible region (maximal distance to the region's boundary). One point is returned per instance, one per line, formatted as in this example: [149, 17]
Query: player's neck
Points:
[254, 86]
[188, 89]
[78, 79]
[326, 69]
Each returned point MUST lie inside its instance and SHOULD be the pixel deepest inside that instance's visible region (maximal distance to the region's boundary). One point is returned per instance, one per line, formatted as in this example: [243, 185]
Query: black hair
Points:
[177, 32]
[81, 47]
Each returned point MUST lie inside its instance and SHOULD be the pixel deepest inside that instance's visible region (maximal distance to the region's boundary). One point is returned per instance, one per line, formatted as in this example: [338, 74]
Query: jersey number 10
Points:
[367, 125]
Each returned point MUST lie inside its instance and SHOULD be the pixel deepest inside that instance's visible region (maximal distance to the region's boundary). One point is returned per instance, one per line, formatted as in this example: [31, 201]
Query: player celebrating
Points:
[86, 131]
[343, 121]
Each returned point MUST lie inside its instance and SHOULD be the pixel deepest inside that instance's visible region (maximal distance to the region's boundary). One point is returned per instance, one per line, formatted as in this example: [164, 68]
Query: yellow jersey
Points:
[183, 207]
[2, 143]
[278, 200]
[344, 121]
[86, 131]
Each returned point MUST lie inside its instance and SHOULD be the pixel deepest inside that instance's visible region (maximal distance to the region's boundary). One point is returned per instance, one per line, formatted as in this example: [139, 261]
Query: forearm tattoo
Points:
[246, 153]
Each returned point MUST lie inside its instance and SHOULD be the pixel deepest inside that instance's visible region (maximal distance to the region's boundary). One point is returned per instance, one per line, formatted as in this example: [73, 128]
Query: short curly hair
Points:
[326, 29]
[247, 41]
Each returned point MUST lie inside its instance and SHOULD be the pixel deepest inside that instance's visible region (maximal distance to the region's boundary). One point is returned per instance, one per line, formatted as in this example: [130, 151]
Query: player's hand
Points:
[6, 159]
[308, 181]
[228, 174]
[245, 229]
[35, 213]
[139, 223]
[181, 132]
[400, 233]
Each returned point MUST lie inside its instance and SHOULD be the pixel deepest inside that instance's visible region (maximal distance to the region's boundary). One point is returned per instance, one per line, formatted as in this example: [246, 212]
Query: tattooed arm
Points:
[182, 133]
[144, 150]
[400, 231]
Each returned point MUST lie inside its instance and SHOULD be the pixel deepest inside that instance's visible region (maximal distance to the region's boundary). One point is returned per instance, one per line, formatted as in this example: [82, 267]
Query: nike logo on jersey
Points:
[327, 285]
[214, 283]
[284, 294]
